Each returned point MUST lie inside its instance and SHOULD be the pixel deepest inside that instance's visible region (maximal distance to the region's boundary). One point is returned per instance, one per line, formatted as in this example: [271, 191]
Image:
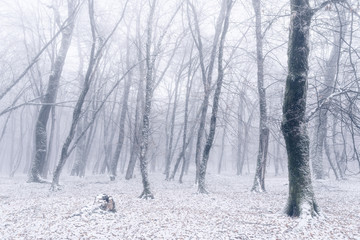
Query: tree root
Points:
[146, 194]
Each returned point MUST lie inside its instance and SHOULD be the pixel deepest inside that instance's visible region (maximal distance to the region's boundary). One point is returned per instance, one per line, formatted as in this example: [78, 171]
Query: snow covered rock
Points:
[105, 202]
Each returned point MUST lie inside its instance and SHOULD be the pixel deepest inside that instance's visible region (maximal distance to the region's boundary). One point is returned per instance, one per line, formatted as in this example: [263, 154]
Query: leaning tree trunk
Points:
[50, 97]
[301, 201]
[93, 64]
[77, 110]
[206, 75]
[210, 139]
[259, 181]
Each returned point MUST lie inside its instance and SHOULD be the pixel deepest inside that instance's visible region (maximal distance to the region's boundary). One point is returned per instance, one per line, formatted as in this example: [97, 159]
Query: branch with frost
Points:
[325, 101]
[36, 58]
[324, 4]
[100, 107]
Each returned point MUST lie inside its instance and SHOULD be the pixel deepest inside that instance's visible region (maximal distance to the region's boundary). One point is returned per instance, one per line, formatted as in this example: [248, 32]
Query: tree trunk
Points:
[206, 78]
[134, 149]
[222, 150]
[145, 131]
[301, 201]
[50, 98]
[172, 124]
[259, 181]
[210, 139]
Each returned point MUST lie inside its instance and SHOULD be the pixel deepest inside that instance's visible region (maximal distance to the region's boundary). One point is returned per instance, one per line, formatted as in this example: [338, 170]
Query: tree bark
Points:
[301, 201]
[259, 181]
[145, 131]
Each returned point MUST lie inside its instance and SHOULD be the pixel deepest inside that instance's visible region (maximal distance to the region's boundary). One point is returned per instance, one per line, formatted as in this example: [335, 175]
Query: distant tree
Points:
[327, 87]
[210, 139]
[124, 107]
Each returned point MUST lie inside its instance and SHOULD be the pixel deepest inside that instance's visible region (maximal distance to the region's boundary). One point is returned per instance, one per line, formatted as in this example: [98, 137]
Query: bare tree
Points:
[50, 98]
[331, 70]
[145, 131]
[124, 107]
[206, 73]
[95, 56]
[228, 5]
[259, 181]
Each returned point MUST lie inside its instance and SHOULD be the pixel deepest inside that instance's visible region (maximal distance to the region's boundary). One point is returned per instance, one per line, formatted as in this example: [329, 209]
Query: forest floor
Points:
[230, 211]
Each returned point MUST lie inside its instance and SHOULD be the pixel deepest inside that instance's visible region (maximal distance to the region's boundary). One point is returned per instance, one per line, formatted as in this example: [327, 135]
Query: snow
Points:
[230, 211]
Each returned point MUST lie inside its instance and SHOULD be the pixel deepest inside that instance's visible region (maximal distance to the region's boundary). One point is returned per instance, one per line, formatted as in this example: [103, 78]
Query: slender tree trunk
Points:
[328, 155]
[145, 131]
[215, 106]
[120, 141]
[206, 78]
[301, 201]
[50, 98]
[222, 151]
[259, 181]
[134, 148]
[336, 152]
[93, 64]
[172, 124]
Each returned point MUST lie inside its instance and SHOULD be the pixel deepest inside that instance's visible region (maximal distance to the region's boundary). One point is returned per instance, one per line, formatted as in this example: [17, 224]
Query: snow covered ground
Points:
[230, 211]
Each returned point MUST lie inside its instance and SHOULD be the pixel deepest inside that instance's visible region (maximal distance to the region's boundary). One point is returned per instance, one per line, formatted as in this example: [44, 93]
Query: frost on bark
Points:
[321, 118]
[301, 201]
[145, 131]
[215, 106]
[38, 161]
[259, 181]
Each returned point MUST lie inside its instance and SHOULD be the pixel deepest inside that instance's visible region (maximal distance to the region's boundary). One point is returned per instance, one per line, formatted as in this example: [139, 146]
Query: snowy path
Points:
[31, 211]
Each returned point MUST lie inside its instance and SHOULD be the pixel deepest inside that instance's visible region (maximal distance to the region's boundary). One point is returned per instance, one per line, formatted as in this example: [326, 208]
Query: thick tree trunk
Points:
[301, 199]
[50, 98]
[215, 106]
[259, 181]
